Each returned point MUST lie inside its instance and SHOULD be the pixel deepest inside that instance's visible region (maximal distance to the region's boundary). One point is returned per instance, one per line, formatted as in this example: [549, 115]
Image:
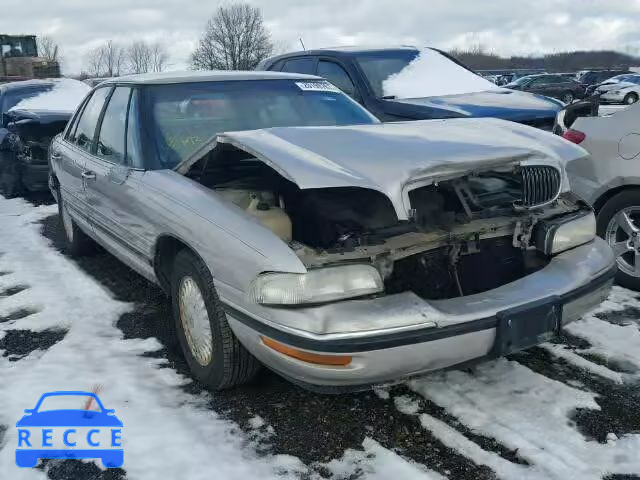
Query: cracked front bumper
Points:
[399, 336]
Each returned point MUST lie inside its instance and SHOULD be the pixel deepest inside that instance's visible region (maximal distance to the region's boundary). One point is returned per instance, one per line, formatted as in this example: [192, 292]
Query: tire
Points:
[630, 98]
[228, 363]
[10, 177]
[77, 243]
[567, 97]
[628, 199]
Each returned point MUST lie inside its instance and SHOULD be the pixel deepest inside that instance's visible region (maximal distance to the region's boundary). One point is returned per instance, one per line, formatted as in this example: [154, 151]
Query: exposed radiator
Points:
[540, 184]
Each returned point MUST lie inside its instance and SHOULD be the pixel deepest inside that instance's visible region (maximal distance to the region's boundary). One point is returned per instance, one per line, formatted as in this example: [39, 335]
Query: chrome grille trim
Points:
[540, 185]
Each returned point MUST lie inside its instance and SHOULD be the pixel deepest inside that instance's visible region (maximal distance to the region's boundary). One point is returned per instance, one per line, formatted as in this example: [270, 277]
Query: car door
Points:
[72, 152]
[112, 177]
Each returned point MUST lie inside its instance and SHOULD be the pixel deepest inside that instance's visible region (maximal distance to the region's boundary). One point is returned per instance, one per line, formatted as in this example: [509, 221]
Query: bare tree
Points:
[159, 57]
[106, 60]
[48, 48]
[113, 55]
[235, 38]
[139, 57]
[94, 62]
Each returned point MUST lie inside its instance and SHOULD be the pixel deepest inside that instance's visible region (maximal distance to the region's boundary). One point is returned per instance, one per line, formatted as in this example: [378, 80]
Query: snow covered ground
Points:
[567, 410]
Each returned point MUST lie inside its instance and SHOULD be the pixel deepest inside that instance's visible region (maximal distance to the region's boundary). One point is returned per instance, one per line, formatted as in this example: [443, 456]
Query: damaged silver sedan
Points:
[310, 238]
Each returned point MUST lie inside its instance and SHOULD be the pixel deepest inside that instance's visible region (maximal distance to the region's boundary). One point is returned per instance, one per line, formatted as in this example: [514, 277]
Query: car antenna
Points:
[302, 43]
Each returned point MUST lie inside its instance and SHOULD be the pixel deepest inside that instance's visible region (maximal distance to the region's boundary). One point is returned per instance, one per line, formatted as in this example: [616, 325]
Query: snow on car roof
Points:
[206, 76]
[65, 96]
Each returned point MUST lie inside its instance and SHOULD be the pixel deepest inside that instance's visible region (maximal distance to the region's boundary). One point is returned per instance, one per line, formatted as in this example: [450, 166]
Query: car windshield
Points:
[186, 115]
[418, 74]
[378, 66]
[12, 97]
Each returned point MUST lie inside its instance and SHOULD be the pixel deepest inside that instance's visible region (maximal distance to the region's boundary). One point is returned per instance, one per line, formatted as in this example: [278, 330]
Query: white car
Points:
[609, 179]
[627, 91]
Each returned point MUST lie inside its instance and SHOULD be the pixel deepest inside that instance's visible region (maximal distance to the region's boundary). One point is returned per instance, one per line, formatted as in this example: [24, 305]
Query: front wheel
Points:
[214, 354]
[619, 224]
[630, 98]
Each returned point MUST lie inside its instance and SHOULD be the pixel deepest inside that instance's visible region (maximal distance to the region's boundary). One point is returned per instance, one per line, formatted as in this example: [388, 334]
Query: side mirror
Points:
[28, 410]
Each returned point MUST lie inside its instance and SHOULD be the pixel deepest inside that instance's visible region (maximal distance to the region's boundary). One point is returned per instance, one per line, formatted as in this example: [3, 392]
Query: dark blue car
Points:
[36, 421]
[360, 72]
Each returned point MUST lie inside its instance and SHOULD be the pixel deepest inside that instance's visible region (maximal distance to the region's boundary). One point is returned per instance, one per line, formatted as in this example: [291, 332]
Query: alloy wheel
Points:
[623, 235]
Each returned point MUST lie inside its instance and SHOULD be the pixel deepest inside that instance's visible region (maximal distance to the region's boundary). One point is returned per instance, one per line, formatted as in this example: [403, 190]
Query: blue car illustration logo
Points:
[69, 433]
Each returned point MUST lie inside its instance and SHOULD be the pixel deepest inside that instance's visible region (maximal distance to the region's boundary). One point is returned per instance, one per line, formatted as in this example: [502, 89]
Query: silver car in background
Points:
[292, 229]
[609, 179]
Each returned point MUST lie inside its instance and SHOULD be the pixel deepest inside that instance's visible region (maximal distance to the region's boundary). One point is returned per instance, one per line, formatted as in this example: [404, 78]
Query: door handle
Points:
[88, 175]
[55, 156]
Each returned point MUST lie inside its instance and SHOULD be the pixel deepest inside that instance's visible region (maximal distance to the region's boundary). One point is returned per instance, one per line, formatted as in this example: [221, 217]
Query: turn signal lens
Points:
[316, 358]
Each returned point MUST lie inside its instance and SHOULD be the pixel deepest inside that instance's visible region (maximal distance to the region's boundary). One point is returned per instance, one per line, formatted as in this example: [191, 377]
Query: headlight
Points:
[556, 236]
[316, 286]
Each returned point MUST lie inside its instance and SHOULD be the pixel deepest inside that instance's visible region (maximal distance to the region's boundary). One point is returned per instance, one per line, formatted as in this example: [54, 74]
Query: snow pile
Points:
[65, 96]
[431, 74]
[527, 412]
[167, 432]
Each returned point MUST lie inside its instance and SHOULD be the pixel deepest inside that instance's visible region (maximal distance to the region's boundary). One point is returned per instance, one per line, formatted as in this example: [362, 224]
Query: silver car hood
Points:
[391, 157]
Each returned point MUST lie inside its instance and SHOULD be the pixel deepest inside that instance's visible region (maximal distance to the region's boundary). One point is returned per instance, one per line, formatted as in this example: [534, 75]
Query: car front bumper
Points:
[398, 336]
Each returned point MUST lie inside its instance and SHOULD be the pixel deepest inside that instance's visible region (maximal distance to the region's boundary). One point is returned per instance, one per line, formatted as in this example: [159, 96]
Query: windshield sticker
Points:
[319, 86]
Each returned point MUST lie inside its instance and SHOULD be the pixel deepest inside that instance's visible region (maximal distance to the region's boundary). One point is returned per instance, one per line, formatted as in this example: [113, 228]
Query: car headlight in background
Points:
[316, 286]
[556, 236]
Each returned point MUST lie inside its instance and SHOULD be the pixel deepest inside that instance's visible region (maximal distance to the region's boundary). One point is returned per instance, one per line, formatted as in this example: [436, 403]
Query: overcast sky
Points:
[502, 26]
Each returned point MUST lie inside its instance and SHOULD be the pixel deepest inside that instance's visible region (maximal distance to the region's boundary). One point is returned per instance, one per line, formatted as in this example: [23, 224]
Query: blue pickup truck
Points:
[441, 87]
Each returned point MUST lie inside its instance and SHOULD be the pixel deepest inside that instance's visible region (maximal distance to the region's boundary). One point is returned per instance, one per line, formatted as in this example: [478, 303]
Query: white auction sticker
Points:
[317, 86]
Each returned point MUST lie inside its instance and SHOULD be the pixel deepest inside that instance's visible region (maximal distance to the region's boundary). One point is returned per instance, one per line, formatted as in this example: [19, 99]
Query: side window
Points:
[299, 65]
[134, 156]
[277, 66]
[84, 134]
[336, 75]
[111, 141]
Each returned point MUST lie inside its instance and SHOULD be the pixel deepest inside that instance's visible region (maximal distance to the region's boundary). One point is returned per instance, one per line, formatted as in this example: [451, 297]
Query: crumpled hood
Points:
[387, 157]
[503, 103]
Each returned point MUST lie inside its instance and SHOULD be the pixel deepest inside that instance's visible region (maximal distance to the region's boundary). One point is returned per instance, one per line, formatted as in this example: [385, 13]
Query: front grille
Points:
[540, 184]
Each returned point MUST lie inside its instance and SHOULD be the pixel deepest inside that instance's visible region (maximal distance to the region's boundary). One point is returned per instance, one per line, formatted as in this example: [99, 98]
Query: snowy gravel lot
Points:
[567, 410]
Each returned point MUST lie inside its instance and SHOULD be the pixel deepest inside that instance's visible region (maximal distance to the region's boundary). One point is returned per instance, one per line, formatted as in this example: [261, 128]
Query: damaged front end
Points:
[448, 231]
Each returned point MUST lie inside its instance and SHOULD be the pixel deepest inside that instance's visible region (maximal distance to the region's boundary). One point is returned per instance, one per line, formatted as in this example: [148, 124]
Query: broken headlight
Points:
[316, 286]
[560, 234]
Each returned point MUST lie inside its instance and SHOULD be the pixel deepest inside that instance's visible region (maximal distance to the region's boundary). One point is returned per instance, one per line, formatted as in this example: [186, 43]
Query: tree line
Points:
[112, 59]
[478, 58]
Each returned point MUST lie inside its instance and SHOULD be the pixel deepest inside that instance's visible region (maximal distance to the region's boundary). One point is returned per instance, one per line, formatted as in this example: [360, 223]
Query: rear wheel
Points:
[630, 98]
[214, 354]
[567, 97]
[77, 243]
[619, 224]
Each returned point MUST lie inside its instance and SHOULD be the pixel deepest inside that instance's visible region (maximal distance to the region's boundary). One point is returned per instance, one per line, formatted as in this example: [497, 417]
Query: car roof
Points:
[343, 50]
[205, 76]
[5, 87]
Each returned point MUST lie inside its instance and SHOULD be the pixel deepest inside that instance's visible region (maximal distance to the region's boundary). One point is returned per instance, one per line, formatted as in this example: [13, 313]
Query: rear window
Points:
[184, 116]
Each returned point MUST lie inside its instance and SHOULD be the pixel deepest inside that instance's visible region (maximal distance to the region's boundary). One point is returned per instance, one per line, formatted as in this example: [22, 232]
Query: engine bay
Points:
[457, 227]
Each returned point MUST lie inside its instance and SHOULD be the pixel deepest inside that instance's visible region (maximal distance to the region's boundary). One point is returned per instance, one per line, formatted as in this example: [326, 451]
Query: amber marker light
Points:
[316, 358]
